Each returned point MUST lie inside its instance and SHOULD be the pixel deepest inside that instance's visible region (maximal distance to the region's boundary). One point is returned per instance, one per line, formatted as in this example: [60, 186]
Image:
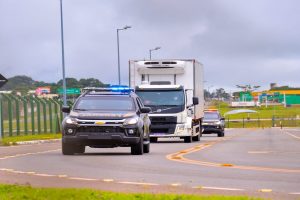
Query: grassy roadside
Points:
[17, 192]
[14, 139]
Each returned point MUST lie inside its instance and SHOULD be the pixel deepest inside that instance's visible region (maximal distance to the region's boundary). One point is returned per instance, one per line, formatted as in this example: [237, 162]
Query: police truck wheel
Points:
[67, 149]
[221, 134]
[138, 149]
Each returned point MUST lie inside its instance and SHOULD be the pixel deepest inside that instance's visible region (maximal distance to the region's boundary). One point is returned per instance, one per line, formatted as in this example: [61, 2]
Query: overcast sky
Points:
[239, 42]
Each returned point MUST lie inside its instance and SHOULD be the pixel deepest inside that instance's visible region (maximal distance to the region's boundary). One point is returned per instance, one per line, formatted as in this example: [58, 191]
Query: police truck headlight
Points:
[70, 120]
[131, 121]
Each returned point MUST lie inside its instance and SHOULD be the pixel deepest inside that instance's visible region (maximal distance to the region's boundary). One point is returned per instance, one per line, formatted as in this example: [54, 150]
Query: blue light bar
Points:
[120, 88]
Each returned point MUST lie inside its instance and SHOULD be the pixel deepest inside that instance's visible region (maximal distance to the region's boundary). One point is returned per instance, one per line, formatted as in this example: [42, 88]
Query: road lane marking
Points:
[108, 180]
[138, 183]
[221, 188]
[265, 190]
[27, 154]
[45, 175]
[260, 152]
[179, 157]
[175, 184]
[83, 179]
[292, 135]
[295, 193]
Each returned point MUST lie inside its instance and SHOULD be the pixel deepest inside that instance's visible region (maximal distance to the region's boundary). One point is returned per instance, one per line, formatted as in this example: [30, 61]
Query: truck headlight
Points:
[70, 120]
[218, 123]
[131, 121]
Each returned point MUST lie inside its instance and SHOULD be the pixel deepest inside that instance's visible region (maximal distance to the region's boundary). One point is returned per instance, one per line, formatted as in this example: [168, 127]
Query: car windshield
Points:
[105, 103]
[162, 98]
[211, 115]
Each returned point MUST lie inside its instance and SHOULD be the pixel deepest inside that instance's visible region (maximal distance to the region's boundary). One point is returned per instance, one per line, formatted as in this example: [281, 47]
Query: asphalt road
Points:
[258, 162]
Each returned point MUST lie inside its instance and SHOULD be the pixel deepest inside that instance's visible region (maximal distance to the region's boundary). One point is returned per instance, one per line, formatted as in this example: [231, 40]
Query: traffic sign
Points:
[3, 80]
[69, 91]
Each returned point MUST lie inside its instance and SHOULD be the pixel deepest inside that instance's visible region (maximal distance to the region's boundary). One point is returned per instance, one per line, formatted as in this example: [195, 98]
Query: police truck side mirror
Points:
[195, 101]
[145, 110]
[66, 109]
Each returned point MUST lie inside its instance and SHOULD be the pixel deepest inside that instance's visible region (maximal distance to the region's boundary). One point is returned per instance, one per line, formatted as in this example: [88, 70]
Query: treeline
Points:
[24, 83]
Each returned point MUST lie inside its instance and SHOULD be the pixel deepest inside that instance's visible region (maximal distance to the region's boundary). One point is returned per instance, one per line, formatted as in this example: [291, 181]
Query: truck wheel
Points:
[138, 149]
[188, 139]
[196, 138]
[67, 149]
[153, 139]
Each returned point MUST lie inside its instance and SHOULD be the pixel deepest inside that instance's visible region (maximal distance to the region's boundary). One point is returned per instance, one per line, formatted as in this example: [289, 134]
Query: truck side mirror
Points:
[195, 101]
[66, 109]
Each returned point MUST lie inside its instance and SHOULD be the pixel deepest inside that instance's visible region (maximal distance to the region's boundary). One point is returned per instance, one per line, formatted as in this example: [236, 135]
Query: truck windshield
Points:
[162, 98]
[105, 103]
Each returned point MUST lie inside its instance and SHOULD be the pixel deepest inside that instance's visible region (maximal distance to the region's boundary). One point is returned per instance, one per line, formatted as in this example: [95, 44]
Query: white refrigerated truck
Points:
[173, 89]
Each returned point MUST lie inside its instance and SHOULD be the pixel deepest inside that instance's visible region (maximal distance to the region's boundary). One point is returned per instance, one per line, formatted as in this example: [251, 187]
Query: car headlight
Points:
[131, 121]
[70, 120]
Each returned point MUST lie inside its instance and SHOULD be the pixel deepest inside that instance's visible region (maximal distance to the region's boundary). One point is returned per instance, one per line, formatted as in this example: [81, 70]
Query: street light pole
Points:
[63, 55]
[150, 50]
[119, 70]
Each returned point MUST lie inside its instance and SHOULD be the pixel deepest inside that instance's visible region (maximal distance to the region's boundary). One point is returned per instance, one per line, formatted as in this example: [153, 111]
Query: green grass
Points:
[14, 139]
[17, 192]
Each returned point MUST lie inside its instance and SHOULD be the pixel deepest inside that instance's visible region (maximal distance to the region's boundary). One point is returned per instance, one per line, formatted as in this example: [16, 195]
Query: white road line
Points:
[83, 179]
[138, 183]
[295, 193]
[294, 136]
[221, 188]
[27, 154]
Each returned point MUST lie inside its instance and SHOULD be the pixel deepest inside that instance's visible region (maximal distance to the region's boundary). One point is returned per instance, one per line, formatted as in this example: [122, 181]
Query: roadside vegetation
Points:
[14, 139]
[17, 192]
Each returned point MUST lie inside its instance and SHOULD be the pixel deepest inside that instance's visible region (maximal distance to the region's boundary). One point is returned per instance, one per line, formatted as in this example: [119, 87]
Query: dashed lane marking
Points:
[138, 183]
[83, 179]
[265, 190]
[221, 188]
[108, 180]
[28, 154]
[295, 193]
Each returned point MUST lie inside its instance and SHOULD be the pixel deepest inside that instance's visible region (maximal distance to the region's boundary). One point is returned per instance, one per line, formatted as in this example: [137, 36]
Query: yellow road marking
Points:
[179, 157]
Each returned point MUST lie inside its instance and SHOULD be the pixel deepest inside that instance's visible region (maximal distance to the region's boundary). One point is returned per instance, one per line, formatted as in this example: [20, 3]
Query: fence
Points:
[29, 115]
[275, 121]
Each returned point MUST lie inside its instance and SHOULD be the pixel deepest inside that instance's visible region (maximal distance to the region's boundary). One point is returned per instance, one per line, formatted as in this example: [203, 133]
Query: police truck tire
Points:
[138, 149]
[67, 149]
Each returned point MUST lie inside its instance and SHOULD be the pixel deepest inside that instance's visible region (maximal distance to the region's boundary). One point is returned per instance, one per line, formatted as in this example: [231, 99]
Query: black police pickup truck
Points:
[106, 118]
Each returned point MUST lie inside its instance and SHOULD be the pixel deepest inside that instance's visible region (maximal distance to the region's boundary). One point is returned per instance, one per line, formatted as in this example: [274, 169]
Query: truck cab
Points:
[171, 89]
